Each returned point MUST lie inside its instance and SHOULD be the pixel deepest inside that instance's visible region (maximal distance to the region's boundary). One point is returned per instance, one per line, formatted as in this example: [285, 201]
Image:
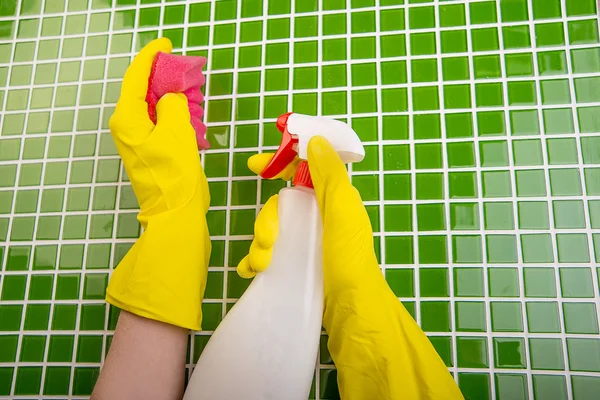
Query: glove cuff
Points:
[163, 276]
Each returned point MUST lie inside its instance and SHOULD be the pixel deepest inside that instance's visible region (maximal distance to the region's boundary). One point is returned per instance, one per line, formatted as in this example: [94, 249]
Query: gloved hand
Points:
[379, 350]
[163, 276]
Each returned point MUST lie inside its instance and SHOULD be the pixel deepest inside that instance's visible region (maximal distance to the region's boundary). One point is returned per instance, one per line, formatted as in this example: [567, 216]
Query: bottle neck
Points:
[302, 177]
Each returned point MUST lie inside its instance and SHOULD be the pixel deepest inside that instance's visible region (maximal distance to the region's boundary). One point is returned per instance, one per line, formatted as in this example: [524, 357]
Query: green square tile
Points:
[486, 66]
[552, 63]
[493, 153]
[527, 152]
[45, 257]
[390, 20]
[509, 353]
[506, 316]
[539, 282]
[549, 386]
[587, 119]
[576, 282]
[472, 352]
[516, 37]
[459, 125]
[426, 126]
[399, 250]
[452, 41]
[466, 249]
[28, 380]
[514, 10]
[511, 386]
[57, 380]
[462, 185]
[223, 58]
[64, 317]
[546, 353]
[580, 318]
[89, 349]
[32, 349]
[8, 348]
[305, 26]
[363, 22]
[429, 186]
[585, 60]
[584, 354]
[489, 95]
[424, 98]
[542, 317]
[522, 93]
[13, 287]
[455, 68]
[84, 380]
[40, 287]
[401, 281]
[60, 348]
[468, 282]
[568, 214]
[424, 70]
[475, 385]
[432, 250]
[430, 217]
[364, 74]
[583, 32]
[537, 248]
[530, 183]
[544, 9]
[452, 15]
[485, 39]
[470, 316]
[364, 47]
[580, 7]
[421, 17]
[460, 154]
[464, 216]
[435, 316]
[549, 34]
[524, 122]
[498, 215]
[585, 89]
[277, 53]
[10, 317]
[503, 282]
[420, 44]
[67, 287]
[37, 317]
[565, 182]
[428, 155]
[533, 215]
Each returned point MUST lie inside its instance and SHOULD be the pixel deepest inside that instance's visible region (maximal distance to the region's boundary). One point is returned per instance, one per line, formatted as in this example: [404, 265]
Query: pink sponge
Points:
[179, 74]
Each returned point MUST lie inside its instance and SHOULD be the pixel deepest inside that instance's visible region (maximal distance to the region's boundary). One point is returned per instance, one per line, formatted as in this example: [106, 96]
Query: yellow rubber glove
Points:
[379, 350]
[163, 276]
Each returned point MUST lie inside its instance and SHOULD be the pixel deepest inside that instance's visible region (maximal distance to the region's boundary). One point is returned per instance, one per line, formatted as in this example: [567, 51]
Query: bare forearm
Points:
[146, 361]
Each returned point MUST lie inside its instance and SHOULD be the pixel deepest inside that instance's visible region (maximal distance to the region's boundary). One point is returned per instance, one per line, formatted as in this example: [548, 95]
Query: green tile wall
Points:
[481, 123]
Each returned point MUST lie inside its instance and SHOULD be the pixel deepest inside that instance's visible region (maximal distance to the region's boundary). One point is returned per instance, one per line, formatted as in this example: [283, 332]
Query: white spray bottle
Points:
[266, 347]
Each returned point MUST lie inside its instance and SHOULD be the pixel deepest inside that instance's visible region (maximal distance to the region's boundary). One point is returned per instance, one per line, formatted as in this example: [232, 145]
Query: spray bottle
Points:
[266, 346]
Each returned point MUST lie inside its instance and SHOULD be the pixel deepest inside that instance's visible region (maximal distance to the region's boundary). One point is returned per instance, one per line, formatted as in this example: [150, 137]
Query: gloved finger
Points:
[131, 114]
[135, 83]
[244, 270]
[266, 229]
[266, 226]
[172, 112]
[259, 258]
[258, 162]
[326, 166]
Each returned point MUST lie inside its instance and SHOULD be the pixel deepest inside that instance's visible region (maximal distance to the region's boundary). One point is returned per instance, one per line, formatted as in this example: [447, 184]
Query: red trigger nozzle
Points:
[285, 153]
[282, 121]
